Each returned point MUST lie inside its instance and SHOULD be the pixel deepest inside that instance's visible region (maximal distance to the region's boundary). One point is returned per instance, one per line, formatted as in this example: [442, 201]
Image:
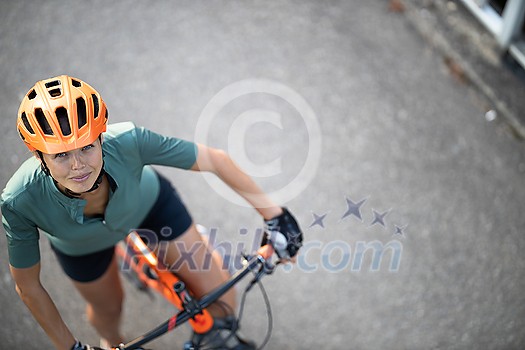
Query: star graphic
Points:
[400, 230]
[318, 220]
[353, 209]
[379, 218]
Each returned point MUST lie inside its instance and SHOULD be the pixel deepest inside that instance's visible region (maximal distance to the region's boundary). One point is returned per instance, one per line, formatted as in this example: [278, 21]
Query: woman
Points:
[87, 186]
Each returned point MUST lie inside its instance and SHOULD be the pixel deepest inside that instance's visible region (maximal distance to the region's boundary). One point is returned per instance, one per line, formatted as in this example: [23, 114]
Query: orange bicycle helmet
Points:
[61, 114]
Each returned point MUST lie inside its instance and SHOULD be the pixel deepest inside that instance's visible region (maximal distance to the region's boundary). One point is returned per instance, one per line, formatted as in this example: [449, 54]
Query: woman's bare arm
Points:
[39, 302]
[219, 162]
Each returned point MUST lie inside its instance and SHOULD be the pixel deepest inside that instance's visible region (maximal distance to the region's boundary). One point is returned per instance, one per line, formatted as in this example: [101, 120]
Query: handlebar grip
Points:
[266, 251]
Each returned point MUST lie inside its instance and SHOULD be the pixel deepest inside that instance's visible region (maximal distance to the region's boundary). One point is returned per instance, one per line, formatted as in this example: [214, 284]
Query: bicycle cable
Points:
[268, 311]
[240, 314]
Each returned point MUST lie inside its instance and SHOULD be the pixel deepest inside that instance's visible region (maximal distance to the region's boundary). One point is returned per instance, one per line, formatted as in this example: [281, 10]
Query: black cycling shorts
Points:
[168, 219]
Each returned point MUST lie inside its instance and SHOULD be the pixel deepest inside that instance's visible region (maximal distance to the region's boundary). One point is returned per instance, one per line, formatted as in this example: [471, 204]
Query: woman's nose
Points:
[77, 162]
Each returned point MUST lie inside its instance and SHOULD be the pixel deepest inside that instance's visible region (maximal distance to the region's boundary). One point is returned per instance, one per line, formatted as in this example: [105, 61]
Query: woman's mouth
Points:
[81, 178]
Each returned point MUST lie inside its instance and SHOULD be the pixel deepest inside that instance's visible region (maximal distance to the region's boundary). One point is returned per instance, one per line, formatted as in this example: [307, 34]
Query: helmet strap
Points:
[43, 164]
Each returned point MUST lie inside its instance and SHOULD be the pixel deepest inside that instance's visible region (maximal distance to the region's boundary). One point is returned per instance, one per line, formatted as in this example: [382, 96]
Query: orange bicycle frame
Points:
[136, 255]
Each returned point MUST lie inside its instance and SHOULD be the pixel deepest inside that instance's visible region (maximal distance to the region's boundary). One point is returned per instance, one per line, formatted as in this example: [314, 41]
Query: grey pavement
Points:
[473, 56]
[335, 103]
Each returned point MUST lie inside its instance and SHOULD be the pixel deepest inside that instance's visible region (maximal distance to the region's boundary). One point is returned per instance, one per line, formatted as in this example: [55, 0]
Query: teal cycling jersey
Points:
[31, 203]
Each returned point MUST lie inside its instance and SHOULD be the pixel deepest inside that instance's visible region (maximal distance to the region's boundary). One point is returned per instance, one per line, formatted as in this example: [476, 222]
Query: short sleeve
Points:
[162, 150]
[22, 238]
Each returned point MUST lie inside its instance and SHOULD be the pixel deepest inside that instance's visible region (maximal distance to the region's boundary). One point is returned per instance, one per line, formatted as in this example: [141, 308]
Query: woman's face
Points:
[78, 169]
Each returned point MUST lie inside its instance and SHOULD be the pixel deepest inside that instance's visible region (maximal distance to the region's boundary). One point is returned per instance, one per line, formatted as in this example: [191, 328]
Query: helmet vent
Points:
[26, 123]
[31, 95]
[55, 92]
[63, 121]
[81, 112]
[76, 83]
[52, 83]
[95, 106]
[42, 121]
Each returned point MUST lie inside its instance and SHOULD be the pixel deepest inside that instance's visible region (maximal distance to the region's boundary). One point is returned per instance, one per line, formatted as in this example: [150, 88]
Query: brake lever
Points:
[266, 267]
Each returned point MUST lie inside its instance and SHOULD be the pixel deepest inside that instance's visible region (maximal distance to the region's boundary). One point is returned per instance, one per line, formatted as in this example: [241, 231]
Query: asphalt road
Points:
[328, 104]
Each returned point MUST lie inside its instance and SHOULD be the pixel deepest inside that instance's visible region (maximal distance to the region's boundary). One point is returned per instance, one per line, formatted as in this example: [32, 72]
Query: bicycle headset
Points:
[61, 114]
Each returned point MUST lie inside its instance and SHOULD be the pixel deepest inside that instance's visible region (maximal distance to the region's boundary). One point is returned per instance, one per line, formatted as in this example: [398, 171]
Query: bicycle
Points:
[150, 274]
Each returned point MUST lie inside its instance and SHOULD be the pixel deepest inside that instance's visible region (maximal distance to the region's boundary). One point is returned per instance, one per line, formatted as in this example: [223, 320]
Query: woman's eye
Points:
[85, 148]
[60, 155]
